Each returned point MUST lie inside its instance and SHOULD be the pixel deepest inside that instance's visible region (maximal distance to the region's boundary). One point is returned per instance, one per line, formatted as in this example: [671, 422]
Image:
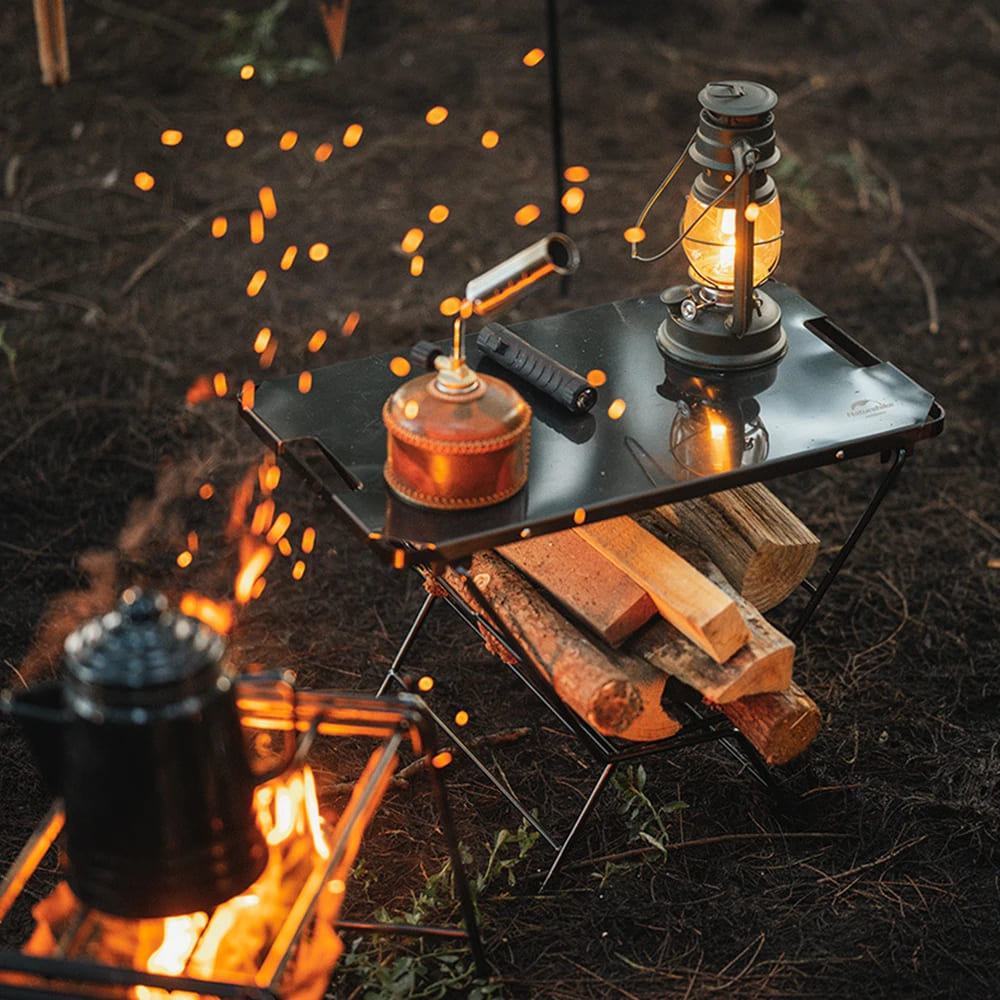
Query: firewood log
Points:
[617, 694]
[780, 724]
[689, 601]
[764, 550]
[590, 586]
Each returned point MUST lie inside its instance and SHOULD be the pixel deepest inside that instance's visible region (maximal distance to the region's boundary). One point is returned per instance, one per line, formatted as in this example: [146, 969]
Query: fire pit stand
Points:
[306, 933]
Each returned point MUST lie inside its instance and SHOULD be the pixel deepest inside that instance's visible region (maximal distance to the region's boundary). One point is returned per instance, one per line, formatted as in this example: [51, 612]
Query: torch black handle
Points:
[562, 384]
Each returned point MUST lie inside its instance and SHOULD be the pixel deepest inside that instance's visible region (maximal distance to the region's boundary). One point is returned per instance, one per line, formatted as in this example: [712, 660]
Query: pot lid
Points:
[141, 644]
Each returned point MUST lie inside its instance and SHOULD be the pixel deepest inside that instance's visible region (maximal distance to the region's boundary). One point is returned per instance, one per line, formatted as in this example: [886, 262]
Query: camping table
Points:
[826, 402]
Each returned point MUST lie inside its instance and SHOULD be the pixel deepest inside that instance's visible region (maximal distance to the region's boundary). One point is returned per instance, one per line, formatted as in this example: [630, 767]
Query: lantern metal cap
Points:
[737, 99]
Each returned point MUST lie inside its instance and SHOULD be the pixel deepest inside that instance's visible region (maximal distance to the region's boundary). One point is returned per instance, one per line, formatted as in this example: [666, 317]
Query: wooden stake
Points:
[591, 587]
[764, 550]
[681, 594]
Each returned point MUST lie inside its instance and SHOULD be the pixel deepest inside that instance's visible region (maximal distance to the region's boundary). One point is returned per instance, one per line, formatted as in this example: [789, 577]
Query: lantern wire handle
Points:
[663, 186]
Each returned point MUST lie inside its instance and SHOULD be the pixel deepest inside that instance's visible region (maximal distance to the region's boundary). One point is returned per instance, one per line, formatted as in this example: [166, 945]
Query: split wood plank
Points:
[780, 725]
[590, 586]
[682, 595]
[764, 550]
[618, 695]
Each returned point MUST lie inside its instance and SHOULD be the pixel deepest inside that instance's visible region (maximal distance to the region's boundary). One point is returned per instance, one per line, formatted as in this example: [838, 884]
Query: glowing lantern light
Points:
[438, 214]
[144, 181]
[490, 139]
[412, 240]
[256, 226]
[352, 135]
[234, 138]
[288, 140]
[288, 257]
[220, 226]
[267, 203]
[316, 341]
[572, 200]
[527, 214]
[256, 283]
[436, 115]
[318, 252]
[171, 137]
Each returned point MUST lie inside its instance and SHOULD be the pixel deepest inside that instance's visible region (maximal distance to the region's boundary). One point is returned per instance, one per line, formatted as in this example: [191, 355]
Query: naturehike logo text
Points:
[867, 407]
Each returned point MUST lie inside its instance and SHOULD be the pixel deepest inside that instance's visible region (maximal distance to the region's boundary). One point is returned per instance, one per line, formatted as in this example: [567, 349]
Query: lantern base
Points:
[696, 333]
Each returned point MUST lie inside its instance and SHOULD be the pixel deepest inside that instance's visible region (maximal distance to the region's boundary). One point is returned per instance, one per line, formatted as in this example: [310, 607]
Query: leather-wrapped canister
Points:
[454, 446]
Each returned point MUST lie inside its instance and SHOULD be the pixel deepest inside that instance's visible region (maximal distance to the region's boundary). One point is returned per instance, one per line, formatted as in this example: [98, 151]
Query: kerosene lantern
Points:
[731, 235]
[459, 439]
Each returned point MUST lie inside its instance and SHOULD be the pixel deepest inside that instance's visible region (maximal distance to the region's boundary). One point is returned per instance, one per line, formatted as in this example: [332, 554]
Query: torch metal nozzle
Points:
[515, 277]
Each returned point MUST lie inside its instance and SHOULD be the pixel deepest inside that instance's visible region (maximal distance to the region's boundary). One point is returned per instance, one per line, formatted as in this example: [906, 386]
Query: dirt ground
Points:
[115, 301]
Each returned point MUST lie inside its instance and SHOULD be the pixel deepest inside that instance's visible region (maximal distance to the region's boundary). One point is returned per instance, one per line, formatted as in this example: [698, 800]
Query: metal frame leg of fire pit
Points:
[700, 725]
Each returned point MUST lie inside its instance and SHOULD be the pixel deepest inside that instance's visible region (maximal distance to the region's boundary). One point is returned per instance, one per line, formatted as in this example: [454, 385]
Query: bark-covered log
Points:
[780, 724]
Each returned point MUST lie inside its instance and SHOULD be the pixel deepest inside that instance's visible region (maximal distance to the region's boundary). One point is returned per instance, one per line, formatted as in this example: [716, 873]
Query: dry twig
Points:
[933, 323]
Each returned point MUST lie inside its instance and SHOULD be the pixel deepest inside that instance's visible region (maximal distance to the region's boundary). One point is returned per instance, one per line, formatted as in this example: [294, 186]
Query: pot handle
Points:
[270, 702]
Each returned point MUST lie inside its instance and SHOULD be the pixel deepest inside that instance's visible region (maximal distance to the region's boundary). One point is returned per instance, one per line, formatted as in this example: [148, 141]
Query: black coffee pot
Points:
[141, 738]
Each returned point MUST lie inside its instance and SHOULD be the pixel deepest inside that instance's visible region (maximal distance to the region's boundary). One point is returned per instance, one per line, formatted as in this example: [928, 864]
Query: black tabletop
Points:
[680, 434]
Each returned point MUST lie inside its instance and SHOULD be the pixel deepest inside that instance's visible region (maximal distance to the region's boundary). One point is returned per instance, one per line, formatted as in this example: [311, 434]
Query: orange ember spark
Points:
[256, 226]
[270, 477]
[308, 540]
[262, 339]
[248, 395]
[450, 306]
[250, 572]
[527, 214]
[436, 115]
[416, 265]
[316, 341]
[144, 181]
[305, 382]
[219, 226]
[576, 175]
[288, 257]
[288, 140]
[442, 759]
[490, 139]
[399, 366]
[579, 515]
[318, 252]
[192, 541]
[635, 234]
[258, 587]
[616, 409]
[284, 547]
[425, 683]
[171, 137]
[219, 384]
[534, 57]
[299, 569]
[352, 135]
[267, 203]
[572, 200]
[438, 214]
[268, 356]
[596, 377]
[234, 138]
[350, 324]
[199, 390]
[256, 283]
[412, 240]
[263, 473]
[278, 529]
[323, 152]
[214, 614]
[206, 491]
[461, 718]
[184, 559]
[262, 515]
[246, 72]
